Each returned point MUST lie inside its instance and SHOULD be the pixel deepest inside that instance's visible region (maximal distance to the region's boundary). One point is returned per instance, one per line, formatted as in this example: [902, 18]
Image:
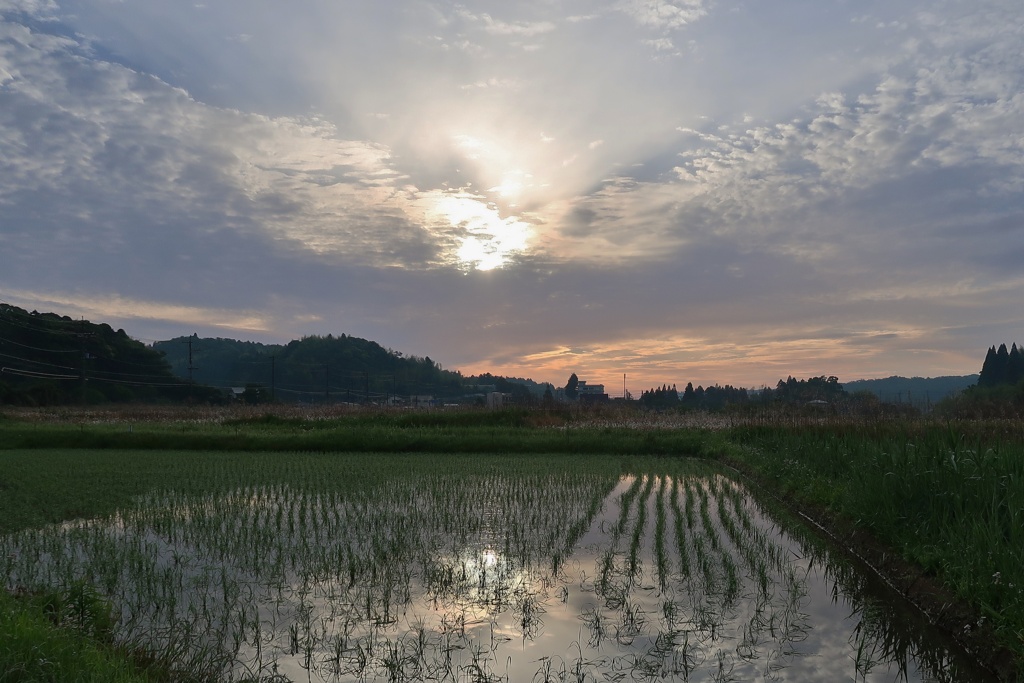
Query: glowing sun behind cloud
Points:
[484, 239]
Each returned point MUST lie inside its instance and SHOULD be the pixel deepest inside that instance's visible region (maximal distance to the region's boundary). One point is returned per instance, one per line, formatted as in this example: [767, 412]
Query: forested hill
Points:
[48, 359]
[332, 368]
[913, 390]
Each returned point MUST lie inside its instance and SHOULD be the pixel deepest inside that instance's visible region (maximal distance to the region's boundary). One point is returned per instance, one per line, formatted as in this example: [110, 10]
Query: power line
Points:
[36, 348]
[38, 362]
[36, 375]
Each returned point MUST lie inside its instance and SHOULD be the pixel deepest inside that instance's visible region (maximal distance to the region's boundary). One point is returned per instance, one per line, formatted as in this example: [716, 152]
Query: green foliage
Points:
[53, 360]
[313, 369]
[985, 402]
[62, 636]
[949, 498]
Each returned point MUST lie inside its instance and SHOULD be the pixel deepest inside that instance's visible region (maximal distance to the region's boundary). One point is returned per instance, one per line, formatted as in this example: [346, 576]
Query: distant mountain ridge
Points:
[918, 391]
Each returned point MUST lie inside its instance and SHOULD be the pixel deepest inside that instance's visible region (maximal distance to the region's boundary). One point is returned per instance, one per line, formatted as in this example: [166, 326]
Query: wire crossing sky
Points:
[677, 190]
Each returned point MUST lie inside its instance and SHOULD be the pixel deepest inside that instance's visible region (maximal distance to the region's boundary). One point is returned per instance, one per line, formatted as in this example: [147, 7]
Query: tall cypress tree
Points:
[1002, 364]
[988, 377]
[1015, 365]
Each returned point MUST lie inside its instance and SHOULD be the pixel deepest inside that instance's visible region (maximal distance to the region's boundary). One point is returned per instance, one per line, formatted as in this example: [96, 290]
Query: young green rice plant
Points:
[680, 531]
[639, 527]
[661, 555]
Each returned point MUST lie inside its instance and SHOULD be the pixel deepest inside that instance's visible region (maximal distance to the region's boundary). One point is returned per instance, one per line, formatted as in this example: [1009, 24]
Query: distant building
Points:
[586, 393]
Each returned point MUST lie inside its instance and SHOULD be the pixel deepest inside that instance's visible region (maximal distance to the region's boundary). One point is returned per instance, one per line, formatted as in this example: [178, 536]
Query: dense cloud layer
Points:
[675, 190]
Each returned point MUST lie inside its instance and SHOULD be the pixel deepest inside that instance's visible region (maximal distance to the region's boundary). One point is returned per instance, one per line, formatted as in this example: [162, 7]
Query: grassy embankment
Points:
[427, 432]
[947, 498]
[64, 636]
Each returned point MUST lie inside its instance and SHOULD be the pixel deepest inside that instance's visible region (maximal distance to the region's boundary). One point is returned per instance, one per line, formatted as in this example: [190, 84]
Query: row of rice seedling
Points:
[323, 568]
[749, 584]
[210, 550]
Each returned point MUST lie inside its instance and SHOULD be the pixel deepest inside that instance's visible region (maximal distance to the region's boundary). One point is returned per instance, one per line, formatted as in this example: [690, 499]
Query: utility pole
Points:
[83, 356]
[272, 378]
[327, 382]
[366, 377]
[191, 366]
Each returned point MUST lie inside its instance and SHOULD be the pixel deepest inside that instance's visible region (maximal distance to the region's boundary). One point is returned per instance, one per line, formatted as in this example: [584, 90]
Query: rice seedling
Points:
[320, 567]
[680, 532]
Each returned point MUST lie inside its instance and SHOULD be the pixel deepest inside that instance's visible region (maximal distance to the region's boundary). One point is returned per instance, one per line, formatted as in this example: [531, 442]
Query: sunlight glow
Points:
[486, 240]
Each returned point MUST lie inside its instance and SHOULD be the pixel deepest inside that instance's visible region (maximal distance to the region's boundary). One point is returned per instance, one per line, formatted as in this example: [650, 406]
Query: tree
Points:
[1002, 364]
[572, 387]
[988, 376]
[255, 394]
[1015, 365]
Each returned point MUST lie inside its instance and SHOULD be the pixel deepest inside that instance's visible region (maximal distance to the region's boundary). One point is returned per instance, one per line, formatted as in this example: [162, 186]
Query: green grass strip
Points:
[33, 649]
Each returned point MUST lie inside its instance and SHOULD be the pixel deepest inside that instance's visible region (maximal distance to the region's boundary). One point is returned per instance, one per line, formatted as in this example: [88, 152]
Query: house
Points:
[586, 393]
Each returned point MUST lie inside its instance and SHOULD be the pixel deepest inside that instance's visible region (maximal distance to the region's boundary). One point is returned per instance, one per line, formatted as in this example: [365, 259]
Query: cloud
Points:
[663, 14]
[841, 196]
[662, 45]
[526, 29]
[108, 143]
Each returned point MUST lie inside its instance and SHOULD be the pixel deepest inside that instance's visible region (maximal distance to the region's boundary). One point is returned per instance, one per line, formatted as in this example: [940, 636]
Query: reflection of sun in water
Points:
[486, 240]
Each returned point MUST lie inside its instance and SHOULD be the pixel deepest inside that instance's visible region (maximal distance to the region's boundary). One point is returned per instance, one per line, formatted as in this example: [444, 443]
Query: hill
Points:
[314, 368]
[329, 369]
[48, 359]
[921, 392]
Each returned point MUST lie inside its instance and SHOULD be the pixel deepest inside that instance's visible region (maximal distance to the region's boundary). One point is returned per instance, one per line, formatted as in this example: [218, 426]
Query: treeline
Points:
[314, 368]
[821, 388]
[788, 391]
[1002, 366]
[999, 392]
[711, 398]
[331, 368]
[48, 359]
[814, 393]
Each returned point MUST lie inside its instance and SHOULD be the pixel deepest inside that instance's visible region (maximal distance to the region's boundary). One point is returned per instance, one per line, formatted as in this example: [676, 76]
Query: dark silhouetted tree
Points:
[989, 376]
[572, 387]
[1015, 365]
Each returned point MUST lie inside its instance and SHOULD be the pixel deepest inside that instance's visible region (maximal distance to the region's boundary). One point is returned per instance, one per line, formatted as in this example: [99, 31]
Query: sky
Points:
[713, 191]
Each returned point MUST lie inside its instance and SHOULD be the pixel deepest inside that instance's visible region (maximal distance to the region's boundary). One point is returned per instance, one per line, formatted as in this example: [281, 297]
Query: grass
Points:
[378, 433]
[948, 498]
[63, 637]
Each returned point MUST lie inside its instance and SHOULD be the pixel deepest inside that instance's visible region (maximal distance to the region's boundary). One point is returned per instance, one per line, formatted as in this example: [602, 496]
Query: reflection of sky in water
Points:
[666, 579]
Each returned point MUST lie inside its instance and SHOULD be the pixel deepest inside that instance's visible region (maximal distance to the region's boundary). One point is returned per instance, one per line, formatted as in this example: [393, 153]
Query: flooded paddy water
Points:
[677, 574]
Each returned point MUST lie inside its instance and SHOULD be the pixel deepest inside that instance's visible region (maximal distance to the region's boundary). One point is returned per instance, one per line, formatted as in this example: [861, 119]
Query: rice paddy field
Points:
[637, 561]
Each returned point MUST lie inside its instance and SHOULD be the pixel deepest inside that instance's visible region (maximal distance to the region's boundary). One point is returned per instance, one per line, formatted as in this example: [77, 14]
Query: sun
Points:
[485, 239]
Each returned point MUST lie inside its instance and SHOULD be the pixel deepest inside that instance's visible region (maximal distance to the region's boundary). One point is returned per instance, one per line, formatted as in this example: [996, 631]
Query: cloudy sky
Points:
[727, 191]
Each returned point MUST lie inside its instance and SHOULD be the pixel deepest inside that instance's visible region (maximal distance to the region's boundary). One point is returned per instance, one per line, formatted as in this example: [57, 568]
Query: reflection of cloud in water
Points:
[487, 578]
